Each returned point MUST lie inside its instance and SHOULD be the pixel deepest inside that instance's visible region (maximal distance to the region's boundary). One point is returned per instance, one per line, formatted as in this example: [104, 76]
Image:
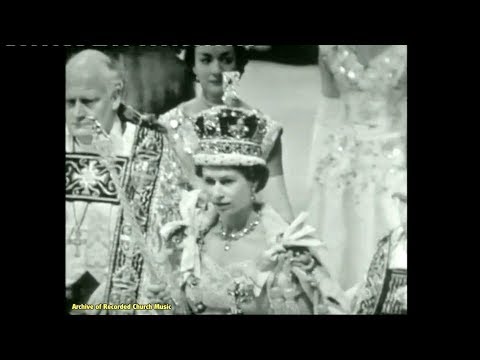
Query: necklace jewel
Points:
[77, 235]
[230, 237]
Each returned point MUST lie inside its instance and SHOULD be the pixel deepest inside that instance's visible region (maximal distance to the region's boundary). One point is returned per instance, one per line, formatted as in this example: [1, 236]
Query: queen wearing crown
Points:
[231, 253]
[207, 65]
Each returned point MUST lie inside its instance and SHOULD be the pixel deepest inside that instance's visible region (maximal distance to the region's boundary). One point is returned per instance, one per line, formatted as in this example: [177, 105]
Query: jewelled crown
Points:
[230, 136]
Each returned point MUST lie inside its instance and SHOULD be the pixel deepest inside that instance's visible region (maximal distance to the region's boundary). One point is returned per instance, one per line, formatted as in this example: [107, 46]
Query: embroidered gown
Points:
[297, 284]
[151, 177]
[358, 157]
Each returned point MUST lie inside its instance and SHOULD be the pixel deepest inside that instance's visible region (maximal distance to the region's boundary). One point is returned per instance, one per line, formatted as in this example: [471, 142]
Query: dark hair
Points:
[241, 55]
[255, 173]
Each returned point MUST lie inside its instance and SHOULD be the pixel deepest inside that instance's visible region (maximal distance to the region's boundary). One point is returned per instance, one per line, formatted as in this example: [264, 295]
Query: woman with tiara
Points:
[358, 152]
[207, 64]
[232, 253]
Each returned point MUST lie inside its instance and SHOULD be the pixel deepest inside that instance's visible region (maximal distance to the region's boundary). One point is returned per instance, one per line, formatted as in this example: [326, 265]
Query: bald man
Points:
[93, 88]
[95, 227]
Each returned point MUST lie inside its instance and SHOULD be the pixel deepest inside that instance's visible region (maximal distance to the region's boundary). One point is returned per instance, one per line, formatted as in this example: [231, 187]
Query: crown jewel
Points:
[230, 135]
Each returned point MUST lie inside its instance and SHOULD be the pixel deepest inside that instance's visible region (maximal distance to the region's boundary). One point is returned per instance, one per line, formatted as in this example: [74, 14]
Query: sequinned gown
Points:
[359, 157]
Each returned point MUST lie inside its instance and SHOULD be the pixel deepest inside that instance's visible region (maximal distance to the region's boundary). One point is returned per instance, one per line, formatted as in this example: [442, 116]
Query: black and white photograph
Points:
[236, 180]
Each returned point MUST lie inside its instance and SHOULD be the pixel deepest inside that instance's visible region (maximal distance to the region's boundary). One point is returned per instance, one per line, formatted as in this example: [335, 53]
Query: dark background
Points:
[289, 54]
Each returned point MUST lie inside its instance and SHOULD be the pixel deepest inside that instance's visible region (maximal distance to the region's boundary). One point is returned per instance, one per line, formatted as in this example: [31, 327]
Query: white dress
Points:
[359, 157]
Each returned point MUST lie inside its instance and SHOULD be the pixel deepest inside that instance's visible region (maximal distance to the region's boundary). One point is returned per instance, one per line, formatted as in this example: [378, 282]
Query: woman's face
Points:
[228, 189]
[210, 63]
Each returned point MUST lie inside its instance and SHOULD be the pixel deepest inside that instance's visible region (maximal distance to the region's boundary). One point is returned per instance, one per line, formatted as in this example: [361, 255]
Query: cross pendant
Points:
[235, 294]
[78, 238]
[230, 85]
